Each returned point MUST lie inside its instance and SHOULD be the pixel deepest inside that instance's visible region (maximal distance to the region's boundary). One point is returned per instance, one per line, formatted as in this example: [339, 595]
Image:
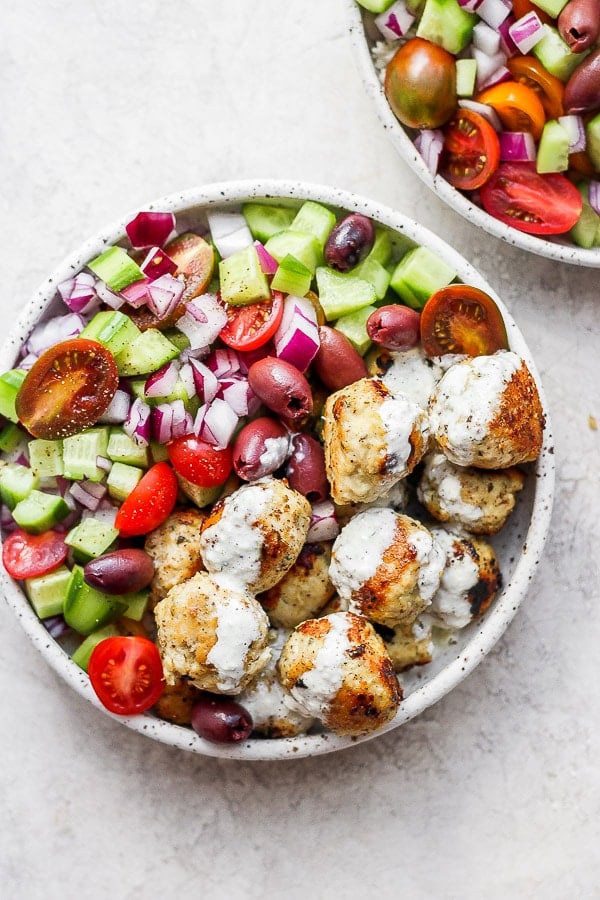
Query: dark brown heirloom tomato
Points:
[67, 389]
[462, 319]
[420, 84]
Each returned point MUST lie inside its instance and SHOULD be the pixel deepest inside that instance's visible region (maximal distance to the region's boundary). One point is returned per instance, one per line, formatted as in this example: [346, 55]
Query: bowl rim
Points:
[579, 256]
[232, 193]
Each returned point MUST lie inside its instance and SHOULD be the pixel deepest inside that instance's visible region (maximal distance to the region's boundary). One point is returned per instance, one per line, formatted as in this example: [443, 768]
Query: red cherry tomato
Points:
[67, 389]
[199, 462]
[149, 503]
[471, 150]
[29, 555]
[537, 204]
[462, 319]
[249, 327]
[126, 674]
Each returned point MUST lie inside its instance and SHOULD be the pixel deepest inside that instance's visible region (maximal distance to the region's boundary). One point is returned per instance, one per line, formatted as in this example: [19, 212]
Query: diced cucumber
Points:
[555, 55]
[446, 23]
[242, 279]
[341, 293]
[592, 132]
[553, 148]
[47, 593]
[46, 457]
[552, 7]
[91, 538]
[586, 231]
[264, 220]
[418, 275]
[82, 654]
[121, 448]
[158, 452]
[16, 483]
[381, 251]
[372, 271]
[81, 451]
[201, 496]
[137, 605]
[304, 247]
[10, 382]
[178, 338]
[179, 392]
[122, 479]
[116, 268]
[10, 437]
[39, 512]
[111, 328]
[292, 277]
[87, 609]
[146, 353]
[354, 326]
[314, 218]
[376, 6]
[466, 73]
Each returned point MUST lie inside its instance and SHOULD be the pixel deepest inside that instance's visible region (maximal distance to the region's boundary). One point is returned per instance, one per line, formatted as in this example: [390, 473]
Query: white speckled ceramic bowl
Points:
[519, 545]
[363, 35]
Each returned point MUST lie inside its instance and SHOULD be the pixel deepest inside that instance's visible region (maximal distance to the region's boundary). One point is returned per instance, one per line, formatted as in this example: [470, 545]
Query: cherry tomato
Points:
[420, 84]
[67, 389]
[249, 327]
[518, 107]
[471, 150]
[522, 7]
[28, 555]
[530, 72]
[199, 462]
[537, 204]
[126, 674]
[149, 503]
[462, 319]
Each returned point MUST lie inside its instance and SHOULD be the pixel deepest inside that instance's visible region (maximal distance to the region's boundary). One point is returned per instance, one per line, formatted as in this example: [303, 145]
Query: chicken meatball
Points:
[303, 591]
[470, 580]
[372, 438]
[211, 634]
[408, 645]
[337, 670]
[407, 372]
[256, 534]
[387, 565]
[176, 702]
[175, 548]
[479, 500]
[275, 713]
[486, 412]
[397, 498]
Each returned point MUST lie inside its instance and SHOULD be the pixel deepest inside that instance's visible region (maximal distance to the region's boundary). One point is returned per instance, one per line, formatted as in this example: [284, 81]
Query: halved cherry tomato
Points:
[67, 389]
[462, 319]
[249, 327]
[28, 555]
[200, 462]
[518, 107]
[471, 150]
[537, 204]
[126, 674]
[530, 72]
[149, 503]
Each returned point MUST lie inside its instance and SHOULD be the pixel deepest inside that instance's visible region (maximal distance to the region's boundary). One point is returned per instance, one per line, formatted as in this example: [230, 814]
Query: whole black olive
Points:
[349, 242]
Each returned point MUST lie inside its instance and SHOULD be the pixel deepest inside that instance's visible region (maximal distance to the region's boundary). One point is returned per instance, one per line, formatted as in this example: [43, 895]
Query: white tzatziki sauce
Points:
[239, 621]
[441, 480]
[412, 374]
[450, 605]
[323, 681]
[358, 549]
[400, 416]
[431, 557]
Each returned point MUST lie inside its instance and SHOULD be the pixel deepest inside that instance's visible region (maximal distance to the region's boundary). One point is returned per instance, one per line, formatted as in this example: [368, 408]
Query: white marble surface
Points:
[495, 791]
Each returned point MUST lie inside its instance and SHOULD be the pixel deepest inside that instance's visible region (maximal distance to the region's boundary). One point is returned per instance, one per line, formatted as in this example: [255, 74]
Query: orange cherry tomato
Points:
[462, 319]
[471, 150]
[530, 72]
[518, 107]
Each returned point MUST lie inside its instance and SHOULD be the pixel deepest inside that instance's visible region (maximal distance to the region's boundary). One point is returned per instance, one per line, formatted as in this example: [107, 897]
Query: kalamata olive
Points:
[121, 572]
[337, 363]
[281, 387]
[220, 719]
[394, 327]
[349, 242]
[260, 448]
[306, 468]
[582, 91]
[579, 24]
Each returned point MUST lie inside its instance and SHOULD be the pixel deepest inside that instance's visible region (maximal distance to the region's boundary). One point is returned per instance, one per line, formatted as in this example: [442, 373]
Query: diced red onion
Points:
[88, 496]
[164, 295]
[162, 382]
[205, 380]
[28, 360]
[56, 626]
[323, 524]
[430, 142]
[517, 146]
[55, 330]
[297, 337]
[170, 421]
[79, 293]
[395, 21]
[223, 362]
[203, 320]
[217, 423]
[497, 77]
[136, 293]
[469, 5]
[247, 357]
[108, 297]
[7, 522]
[237, 393]
[487, 65]
[507, 45]
[150, 229]
[494, 12]
[186, 376]
[104, 463]
[527, 31]
[575, 128]
[229, 232]
[157, 263]
[268, 264]
[594, 196]
[105, 512]
[118, 408]
[137, 423]
[486, 39]
[484, 110]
